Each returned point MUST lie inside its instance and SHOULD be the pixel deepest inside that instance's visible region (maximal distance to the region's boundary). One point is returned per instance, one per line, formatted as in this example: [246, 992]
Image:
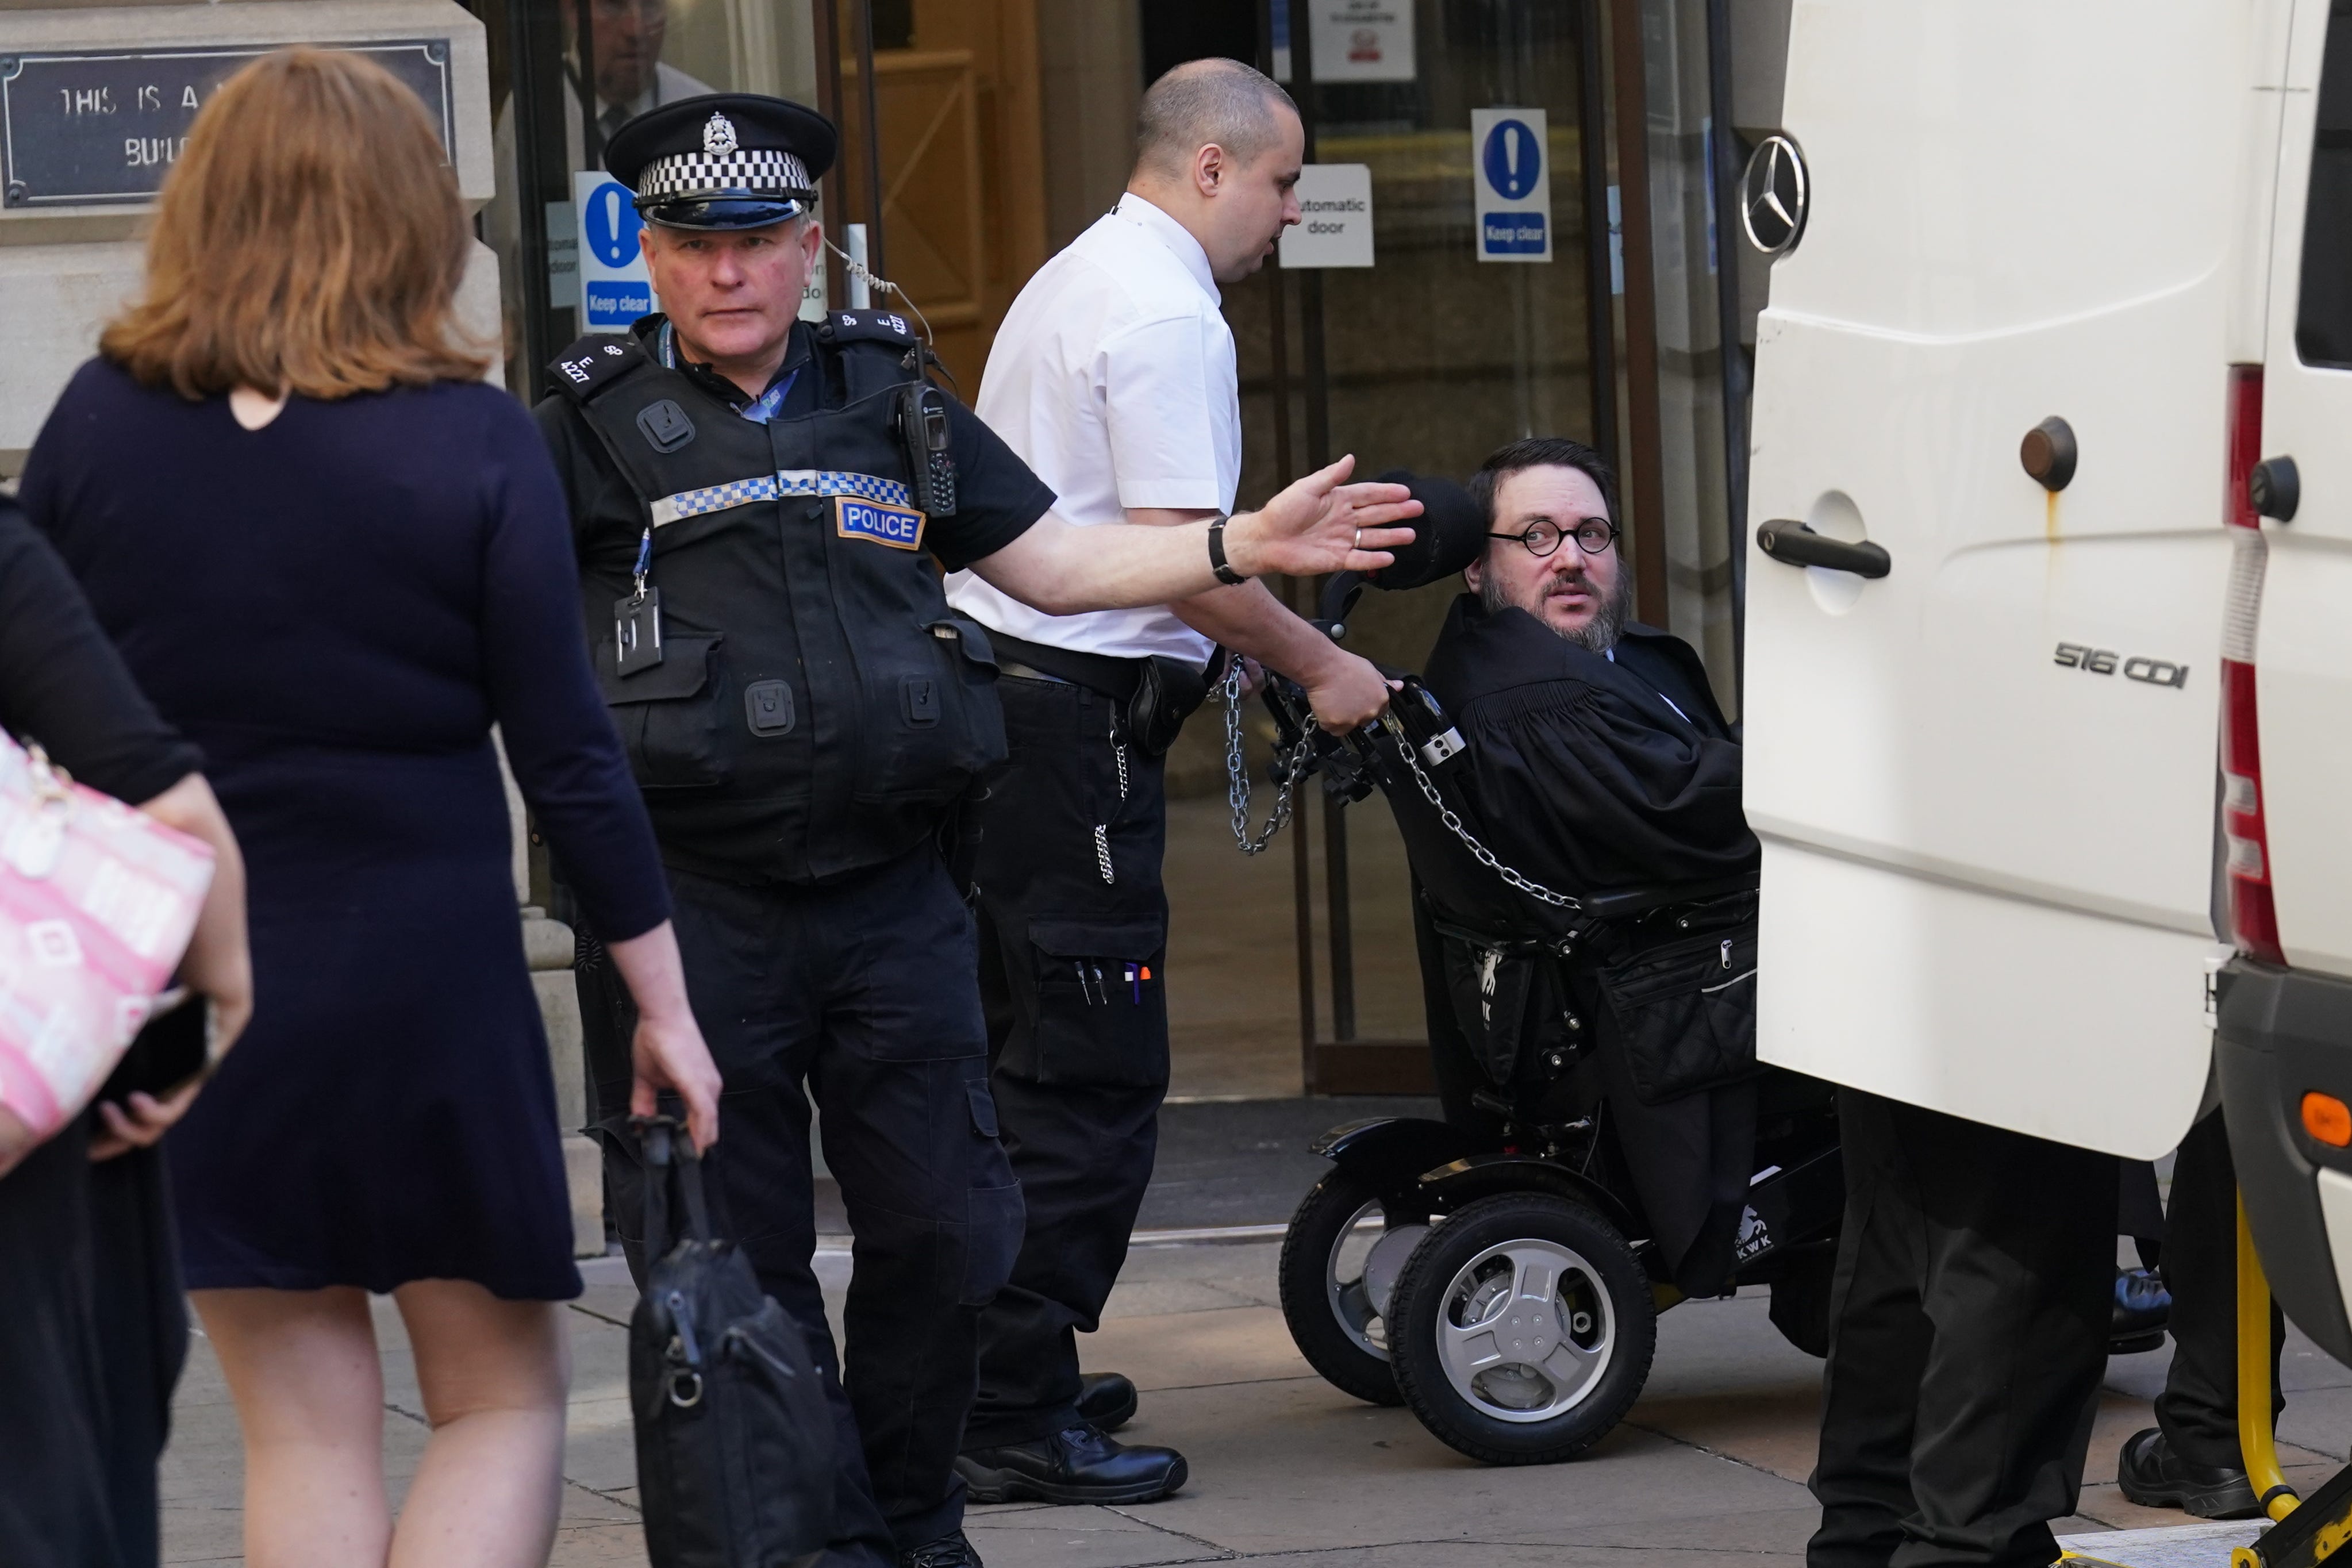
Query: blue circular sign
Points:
[611, 225]
[1513, 158]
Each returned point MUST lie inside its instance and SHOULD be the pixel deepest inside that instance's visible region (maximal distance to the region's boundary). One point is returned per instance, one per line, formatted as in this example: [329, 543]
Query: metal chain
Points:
[1102, 830]
[1237, 779]
[1485, 855]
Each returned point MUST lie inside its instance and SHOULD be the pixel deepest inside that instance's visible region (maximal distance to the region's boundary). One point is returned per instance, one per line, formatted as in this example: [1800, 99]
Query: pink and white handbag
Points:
[98, 900]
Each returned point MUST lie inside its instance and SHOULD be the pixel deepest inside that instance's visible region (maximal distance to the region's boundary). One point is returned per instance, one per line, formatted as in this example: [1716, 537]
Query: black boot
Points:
[1105, 1400]
[947, 1551]
[1076, 1464]
[2151, 1475]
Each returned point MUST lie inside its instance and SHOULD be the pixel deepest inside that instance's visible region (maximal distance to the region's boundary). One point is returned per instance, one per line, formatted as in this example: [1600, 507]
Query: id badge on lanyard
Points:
[637, 619]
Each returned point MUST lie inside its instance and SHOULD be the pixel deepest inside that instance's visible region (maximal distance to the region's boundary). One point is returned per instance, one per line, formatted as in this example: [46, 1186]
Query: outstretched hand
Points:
[1319, 524]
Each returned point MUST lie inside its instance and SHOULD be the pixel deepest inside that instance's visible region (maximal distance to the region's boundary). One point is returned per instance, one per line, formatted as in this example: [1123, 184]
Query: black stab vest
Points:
[817, 706]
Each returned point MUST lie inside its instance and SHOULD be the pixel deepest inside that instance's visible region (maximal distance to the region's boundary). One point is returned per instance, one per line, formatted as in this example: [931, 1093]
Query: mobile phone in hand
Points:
[170, 1052]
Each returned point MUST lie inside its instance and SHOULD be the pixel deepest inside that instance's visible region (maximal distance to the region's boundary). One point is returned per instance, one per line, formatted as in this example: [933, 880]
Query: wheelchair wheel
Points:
[1524, 1329]
[1337, 1281]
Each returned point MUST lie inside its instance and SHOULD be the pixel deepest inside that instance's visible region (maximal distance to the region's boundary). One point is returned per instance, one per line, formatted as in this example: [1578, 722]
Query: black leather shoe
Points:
[947, 1551]
[1076, 1464]
[1105, 1400]
[2151, 1475]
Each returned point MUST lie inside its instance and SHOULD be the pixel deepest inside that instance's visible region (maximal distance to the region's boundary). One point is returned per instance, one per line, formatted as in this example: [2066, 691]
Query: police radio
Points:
[923, 433]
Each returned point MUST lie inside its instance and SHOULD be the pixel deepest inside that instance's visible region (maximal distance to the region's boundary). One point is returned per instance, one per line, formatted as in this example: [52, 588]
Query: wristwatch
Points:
[1225, 574]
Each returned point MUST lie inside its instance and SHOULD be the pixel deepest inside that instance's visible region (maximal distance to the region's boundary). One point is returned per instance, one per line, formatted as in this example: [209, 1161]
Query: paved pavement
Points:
[1288, 1471]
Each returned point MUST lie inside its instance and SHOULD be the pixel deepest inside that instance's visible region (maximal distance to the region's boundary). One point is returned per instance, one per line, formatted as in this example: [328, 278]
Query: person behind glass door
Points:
[624, 44]
[335, 561]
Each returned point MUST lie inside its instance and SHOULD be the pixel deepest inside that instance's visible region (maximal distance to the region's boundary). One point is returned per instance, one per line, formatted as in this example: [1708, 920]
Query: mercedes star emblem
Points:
[1772, 197]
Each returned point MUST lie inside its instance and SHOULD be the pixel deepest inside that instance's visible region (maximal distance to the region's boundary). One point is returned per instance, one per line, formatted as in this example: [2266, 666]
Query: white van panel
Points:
[2303, 643]
[1988, 874]
[1931, 1030]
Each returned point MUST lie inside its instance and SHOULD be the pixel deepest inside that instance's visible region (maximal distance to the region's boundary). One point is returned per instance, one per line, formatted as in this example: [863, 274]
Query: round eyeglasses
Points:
[1592, 536]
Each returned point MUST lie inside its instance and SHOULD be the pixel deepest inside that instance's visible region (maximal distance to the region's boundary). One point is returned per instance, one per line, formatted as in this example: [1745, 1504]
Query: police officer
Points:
[756, 502]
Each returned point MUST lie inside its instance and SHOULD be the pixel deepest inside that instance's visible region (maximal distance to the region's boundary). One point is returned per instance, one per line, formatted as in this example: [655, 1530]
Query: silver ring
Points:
[1358, 542]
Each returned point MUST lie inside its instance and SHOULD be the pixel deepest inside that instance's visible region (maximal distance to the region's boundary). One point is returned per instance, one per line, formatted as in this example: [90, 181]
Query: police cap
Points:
[724, 160]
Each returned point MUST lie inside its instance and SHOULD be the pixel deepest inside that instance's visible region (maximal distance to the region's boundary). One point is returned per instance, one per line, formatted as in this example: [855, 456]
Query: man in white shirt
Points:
[1113, 377]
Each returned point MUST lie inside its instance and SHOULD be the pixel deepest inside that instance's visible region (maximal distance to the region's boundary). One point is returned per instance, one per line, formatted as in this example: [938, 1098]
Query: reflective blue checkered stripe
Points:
[769, 486]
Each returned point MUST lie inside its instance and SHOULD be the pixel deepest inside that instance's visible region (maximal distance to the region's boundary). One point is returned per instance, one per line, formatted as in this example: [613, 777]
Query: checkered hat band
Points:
[770, 486]
[762, 172]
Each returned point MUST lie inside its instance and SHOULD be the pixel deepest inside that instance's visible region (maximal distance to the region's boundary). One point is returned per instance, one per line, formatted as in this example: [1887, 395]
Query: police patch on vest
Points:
[900, 527]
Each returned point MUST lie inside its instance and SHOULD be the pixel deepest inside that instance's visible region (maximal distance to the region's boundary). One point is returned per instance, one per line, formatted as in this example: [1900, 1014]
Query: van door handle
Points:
[1794, 544]
[2275, 489]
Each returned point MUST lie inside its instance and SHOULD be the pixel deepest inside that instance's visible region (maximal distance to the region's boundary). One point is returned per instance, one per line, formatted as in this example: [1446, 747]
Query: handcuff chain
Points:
[1485, 855]
[1237, 779]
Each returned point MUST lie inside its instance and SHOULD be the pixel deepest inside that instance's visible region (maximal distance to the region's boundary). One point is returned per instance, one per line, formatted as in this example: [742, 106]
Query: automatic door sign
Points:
[1335, 222]
[1511, 184]
[614, 287]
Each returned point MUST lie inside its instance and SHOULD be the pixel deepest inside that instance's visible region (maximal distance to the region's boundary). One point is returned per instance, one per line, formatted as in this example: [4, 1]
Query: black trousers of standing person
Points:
[93, 1333]
[1073, 971]
[859, 994]
[2199, 1407]
[1968, 1333]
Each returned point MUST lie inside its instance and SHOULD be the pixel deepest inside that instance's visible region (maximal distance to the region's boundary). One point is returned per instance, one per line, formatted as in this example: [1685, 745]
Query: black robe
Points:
[1594, 775]
[1604, 775]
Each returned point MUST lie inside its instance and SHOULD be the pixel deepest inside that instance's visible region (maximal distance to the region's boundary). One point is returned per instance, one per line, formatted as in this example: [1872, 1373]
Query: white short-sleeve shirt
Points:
[1113, 378]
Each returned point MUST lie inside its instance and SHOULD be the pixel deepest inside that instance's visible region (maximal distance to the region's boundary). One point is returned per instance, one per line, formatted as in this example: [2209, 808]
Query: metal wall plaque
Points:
[102, 127]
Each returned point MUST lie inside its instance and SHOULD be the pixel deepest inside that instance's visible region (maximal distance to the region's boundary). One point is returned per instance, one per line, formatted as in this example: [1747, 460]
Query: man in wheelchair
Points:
[1601, 765]
[1598, 759]
[1569, 795]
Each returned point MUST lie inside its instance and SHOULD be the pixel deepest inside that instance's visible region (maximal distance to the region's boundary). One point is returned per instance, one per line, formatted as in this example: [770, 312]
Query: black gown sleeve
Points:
[1594, 796]
[63, 684]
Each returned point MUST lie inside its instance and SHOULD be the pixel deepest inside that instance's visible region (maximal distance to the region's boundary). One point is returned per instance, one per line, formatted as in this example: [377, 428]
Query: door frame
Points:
[1342, 1061]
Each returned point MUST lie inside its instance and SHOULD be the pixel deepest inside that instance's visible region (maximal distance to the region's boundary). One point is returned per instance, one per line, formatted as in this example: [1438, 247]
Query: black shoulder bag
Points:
[735, 1463]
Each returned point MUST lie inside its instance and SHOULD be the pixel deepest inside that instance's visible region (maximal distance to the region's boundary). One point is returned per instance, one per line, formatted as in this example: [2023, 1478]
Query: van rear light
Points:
[2327, 1119]
[2246, 861]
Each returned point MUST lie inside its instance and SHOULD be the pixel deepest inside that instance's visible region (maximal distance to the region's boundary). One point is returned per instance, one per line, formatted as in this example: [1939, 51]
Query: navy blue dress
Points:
[337, 607]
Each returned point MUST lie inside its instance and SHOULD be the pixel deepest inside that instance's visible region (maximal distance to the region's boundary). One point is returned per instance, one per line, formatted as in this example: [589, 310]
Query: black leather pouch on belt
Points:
[1167, 692]
[1155, 695]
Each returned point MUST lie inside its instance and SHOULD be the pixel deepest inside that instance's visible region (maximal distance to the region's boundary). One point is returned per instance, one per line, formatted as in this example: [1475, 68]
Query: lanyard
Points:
[761, 409]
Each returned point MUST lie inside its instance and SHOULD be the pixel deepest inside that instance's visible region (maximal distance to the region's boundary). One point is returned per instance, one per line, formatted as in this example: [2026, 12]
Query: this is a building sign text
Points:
[92, 127]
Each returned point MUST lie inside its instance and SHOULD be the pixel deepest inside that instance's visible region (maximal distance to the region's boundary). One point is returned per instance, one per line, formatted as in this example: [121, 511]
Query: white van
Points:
[2063, 278]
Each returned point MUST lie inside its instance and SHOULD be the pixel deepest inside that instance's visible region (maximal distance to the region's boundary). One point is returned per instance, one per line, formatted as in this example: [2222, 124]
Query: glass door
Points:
[564, 74]
[1295, 970]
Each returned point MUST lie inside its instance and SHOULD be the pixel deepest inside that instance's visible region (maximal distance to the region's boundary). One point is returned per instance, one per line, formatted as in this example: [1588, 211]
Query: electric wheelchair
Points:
[1496, 1271]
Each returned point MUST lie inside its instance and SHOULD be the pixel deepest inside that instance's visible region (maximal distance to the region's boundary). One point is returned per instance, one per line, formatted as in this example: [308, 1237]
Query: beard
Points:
[1598, 634]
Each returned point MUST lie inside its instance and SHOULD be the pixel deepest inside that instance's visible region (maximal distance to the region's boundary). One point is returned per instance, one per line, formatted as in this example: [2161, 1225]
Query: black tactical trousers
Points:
[1072, 972]
[2198, 1406]
[860, 995]
[1968, 1333]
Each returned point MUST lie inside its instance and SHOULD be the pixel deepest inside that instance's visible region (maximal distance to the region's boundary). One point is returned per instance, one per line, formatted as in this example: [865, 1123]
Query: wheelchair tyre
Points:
[1524, 1329]
[1329, 1283]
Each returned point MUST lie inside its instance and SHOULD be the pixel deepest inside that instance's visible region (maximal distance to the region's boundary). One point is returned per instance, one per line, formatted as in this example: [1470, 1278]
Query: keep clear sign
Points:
[614, 287]
[1510, 185]
[1334, 225]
